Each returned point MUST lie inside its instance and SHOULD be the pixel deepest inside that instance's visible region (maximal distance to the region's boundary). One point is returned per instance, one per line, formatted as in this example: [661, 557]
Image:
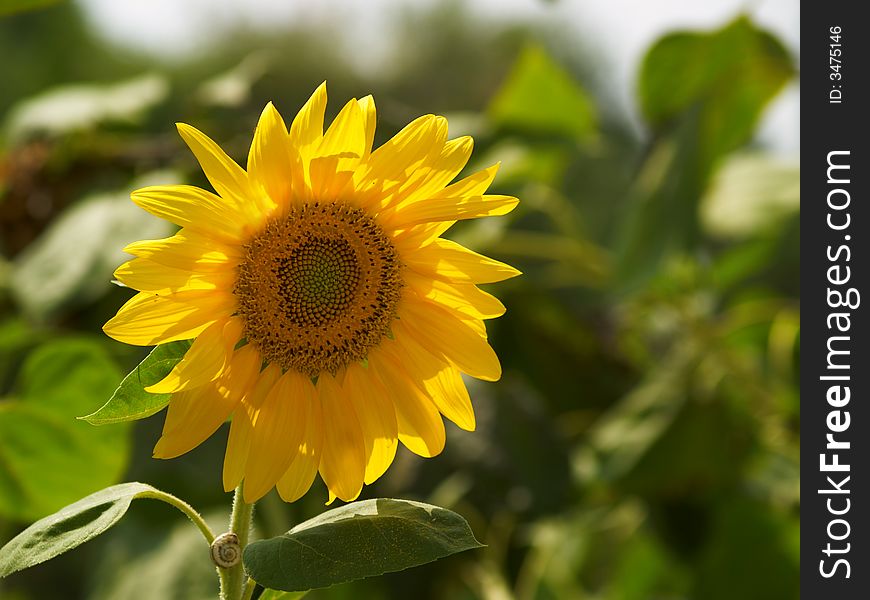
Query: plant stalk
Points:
[184, 507]
[233, 578]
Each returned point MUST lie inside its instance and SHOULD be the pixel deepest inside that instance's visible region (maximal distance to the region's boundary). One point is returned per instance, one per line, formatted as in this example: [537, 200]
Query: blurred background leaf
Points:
[71, 261]
[539, 97]
[81, 107]
[47, 458]
[172, 563]
[702, 94]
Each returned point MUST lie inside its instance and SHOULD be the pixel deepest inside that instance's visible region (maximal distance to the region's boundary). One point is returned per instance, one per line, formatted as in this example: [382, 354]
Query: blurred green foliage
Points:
[48, 459]
[643, 442]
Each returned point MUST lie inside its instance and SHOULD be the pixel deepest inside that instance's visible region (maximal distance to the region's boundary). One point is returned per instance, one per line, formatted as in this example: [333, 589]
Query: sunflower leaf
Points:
[130, 401]
[70, 527]
[358, 540]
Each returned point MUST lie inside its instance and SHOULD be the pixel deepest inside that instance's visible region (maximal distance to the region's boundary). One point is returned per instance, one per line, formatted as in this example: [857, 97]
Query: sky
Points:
[622, 29]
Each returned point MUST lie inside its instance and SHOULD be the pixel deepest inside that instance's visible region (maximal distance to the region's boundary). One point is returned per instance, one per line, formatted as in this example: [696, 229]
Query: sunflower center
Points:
[318, 289]
[318, 281]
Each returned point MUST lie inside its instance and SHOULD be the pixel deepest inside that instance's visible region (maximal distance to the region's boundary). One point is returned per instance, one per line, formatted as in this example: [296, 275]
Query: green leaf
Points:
[730, 74]
[539, 96]
[130, 401]
[71, 263]
[48, 459]
[702, 94]
[358, 540]
[70, 527]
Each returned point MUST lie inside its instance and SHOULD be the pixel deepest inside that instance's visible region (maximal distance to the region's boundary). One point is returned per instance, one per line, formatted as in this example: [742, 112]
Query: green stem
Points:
[249, 589]
[184, 507]
[233, 578]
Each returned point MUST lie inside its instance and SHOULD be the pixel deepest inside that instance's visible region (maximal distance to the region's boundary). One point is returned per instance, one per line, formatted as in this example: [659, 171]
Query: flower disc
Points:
[318, 288]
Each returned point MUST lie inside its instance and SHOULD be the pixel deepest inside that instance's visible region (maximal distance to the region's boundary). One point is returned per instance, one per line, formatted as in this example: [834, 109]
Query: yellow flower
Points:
[330, 320]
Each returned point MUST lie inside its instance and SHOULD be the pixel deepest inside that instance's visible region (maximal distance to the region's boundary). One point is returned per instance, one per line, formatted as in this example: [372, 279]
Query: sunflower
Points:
[329, 319]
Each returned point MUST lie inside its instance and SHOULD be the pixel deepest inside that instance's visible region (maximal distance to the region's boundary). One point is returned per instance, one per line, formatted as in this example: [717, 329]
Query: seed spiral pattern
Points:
[318, 288]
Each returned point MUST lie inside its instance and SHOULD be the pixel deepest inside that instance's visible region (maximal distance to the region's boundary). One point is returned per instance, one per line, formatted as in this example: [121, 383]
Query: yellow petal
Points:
[328, 181]
[146, 319]
[299, 477]
[452, 399]
[193, 416]
[306, 130]
[205, 359]
[473, 185]
[367, 105]
[441, 381]
[188, 250]
[450, 261]
[419, 236]
[390, 166]
[148, 276]
[336, 157]
[194, 208]
[439, 169]
[464, 298]
[377, 417]
[442, 333]
[420, 427]
[278, 426]
[346, 136]
[450, 209]
[343, 463]
[228, 179]
[239, 442]
[241, 373]
[269, 159]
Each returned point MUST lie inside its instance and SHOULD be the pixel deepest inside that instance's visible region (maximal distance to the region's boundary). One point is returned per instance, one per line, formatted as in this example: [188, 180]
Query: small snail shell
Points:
[226, 551]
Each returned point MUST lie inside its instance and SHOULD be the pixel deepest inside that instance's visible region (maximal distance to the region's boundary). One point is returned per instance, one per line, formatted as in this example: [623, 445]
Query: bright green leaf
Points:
[48, 458]
[69, 528]
[539, 96]
[358, 540]
[130, 401]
